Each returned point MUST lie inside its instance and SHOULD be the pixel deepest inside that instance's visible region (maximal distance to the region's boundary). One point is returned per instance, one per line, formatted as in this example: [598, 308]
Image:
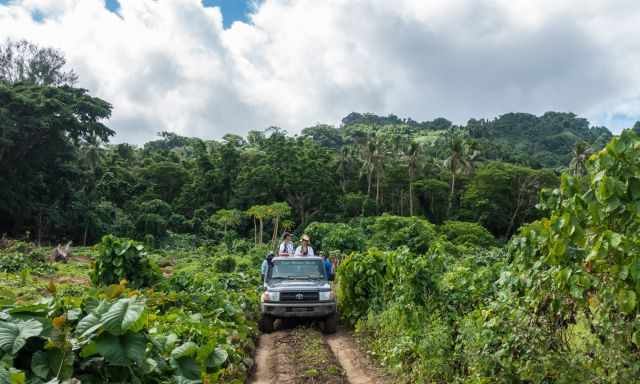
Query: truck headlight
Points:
[326, 296]
[271, 296]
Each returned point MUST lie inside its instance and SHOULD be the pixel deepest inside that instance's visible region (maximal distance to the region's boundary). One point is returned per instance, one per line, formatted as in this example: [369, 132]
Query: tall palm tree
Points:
[344, 159]
[462, 154]
[578, 165]
[368, 149]
[412, 153]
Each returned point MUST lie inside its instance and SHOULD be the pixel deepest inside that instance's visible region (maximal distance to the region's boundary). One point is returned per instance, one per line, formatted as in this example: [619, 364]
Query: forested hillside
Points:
[61, 179]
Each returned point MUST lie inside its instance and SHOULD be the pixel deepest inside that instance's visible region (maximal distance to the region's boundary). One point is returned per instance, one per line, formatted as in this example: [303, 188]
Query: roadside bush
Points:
[20, 255]
[392, 232]
[467, 233]
[318, 231]
[409, 307]
[225, 264]
[360, 284]
[120, 259]
[331, 237]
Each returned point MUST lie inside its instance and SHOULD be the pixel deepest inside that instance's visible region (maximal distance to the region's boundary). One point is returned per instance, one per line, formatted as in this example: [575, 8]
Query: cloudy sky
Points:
[206, 68]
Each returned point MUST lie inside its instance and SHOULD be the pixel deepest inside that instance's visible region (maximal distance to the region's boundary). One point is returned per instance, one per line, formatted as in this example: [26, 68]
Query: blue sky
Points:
[232, 10]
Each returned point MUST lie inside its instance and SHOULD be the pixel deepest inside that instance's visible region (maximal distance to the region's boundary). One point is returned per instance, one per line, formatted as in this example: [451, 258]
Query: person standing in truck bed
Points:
[286, 247]
[304, 249]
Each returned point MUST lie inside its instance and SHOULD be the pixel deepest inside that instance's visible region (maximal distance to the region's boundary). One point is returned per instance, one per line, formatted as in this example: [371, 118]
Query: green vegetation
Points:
[123, 259]
[196, 326]
[558, 304]
[496, 251]
[62, 180]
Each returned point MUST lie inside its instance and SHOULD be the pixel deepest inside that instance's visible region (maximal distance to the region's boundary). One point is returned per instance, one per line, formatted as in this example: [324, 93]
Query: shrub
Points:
[225, 264]
[466, 233]
[331, 237]
[245, 266]
[21, 255]
[119, 259]
[392, 232]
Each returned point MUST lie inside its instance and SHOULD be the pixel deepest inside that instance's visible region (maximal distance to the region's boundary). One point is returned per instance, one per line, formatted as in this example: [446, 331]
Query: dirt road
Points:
[303, 355]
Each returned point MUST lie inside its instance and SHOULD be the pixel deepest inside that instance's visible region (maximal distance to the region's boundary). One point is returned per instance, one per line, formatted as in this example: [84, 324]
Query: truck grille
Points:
[299, 296]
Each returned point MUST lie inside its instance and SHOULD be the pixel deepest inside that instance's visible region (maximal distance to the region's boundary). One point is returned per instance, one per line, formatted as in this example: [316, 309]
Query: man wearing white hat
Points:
[304, 249]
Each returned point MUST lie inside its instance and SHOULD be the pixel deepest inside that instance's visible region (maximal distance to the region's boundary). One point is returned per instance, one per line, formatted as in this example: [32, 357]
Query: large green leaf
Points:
[14, 335]
[217, 358]
[121, 350]
[187, 370]
[93, 321]
[123, 315]
[185, 350]
[40, 365]
[52, 362]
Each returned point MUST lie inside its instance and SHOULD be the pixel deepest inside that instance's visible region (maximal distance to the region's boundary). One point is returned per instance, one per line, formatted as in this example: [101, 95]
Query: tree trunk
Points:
[84, 235]
[39, 227]
[451, 193]
[255, 231]
[261, 227]
[275, 232]
[377, 193]
[411, 199]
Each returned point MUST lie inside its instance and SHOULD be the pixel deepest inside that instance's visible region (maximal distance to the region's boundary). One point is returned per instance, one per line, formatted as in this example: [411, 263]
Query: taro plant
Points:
[123, 259]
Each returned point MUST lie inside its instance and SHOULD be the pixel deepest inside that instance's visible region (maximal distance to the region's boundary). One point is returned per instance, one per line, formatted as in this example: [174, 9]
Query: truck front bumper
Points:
[319, 309]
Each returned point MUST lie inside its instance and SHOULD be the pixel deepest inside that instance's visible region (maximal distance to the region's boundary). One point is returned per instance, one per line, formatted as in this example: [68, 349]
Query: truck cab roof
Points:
[277, 258]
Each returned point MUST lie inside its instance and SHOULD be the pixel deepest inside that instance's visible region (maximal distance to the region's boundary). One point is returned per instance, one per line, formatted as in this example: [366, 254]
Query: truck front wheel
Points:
[266, 324]
[330, 324]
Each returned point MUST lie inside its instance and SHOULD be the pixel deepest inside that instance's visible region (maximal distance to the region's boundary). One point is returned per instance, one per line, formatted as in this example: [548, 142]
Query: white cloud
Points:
[169, 65]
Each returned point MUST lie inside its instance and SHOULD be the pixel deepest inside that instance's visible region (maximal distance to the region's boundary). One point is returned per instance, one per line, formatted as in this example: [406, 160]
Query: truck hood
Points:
[299, 285]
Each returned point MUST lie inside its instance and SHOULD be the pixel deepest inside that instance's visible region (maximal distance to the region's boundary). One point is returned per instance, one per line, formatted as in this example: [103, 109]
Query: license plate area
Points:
[299, 309]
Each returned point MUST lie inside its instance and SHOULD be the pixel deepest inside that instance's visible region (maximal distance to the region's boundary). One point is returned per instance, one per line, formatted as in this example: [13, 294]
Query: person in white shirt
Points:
[304, 249]
[286, 247]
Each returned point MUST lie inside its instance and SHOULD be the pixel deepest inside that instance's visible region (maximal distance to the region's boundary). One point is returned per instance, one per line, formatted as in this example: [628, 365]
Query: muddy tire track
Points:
[303, 355]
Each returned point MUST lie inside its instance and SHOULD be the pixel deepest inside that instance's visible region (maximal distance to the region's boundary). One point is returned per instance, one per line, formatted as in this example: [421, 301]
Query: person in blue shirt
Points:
[328, 267]
[264, 269]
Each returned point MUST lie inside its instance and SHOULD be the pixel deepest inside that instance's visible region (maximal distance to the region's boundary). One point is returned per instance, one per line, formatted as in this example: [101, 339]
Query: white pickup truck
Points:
[298, 287]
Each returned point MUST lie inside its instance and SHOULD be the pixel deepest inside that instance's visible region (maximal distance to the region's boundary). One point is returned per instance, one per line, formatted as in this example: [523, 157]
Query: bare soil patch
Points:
[358, 367]
[303, 355]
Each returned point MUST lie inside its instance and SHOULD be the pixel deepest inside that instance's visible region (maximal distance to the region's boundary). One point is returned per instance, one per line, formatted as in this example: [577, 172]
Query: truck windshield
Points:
[297, 269]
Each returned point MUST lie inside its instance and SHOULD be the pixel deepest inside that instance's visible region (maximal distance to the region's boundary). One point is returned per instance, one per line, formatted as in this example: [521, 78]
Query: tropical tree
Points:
[22, 61]
[227, 218]
[578, 164]
[503, 196]
[373, 152]
[412, 152]
[462, 154]
[259, 213]
[278, 211]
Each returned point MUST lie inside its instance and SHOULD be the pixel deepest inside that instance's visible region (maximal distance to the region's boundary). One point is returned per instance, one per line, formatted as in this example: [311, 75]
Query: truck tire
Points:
[265, 324]
[330, 324]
